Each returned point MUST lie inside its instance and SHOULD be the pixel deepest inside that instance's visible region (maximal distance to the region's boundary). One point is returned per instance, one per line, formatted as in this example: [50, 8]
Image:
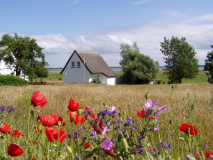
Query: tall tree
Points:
[209, 63]
[137, 68]
[25, 54]
[180, 59]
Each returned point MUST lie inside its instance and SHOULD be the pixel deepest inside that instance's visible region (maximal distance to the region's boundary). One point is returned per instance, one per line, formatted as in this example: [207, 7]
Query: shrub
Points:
[12, 81]
[60, 79]
[96, 80]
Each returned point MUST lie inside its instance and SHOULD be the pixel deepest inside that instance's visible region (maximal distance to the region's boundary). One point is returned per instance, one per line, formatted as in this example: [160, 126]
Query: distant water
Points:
[119, 69]
[161, 68]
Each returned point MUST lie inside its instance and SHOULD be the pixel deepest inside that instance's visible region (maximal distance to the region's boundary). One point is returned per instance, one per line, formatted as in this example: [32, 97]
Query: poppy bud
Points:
[124, 112]
[30, 150]
[126, 146]
[173, 87]
[32, 113]
[120, 108]
[120, 114]
[74, 117]
[59, 123]
[79, 111]
[188, 130]
[170, 121]
[147, 96]
[104, 103]
[192, 107]
[39, 128]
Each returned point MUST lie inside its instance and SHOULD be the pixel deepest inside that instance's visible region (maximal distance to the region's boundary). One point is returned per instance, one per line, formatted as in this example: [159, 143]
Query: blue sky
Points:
[62, 26]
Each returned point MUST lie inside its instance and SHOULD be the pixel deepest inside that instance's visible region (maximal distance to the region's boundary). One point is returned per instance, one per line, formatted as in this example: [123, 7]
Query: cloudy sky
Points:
[62, 26]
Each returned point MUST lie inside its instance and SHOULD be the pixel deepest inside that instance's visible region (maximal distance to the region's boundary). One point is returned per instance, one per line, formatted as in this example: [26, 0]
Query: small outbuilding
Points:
[83, 66]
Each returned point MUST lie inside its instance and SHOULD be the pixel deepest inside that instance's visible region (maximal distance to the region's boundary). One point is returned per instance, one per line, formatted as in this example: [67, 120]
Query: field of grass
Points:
[201, 77]
[130, 98]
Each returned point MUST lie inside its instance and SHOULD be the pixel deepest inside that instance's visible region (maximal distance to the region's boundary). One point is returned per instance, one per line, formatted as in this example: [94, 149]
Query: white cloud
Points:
[58, 48]
[142, 2]
[75, 1]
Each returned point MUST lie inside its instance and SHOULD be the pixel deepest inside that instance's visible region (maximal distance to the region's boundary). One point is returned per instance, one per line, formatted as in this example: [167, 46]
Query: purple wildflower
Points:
[105, 130]
[122, 121]
[107, 145]
[3, 108]
[140, 138]
[114, 109]
[170, 148]
[128, 120]
[156, 128]
[117, 127]
[149, 104]
[94, 134]
[79, 158]
[133, 122]
[68, 136]
[162, 108]
[118, 121]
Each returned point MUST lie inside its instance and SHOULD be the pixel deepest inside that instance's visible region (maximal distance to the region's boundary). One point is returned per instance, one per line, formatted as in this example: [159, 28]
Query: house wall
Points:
[102, 78]
[111, 81]
[75, 74]
[8, 69]
[5, 69]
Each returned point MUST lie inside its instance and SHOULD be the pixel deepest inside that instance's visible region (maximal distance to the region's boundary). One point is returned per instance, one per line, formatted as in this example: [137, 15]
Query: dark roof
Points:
[94, 63]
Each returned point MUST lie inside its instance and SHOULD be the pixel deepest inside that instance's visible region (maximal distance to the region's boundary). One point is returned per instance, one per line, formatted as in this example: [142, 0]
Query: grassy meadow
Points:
[131, 98]
[54, 76]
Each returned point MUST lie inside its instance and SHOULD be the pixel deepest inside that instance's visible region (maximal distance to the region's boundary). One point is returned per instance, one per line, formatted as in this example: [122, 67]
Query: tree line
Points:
[26, 56]
[179, 58]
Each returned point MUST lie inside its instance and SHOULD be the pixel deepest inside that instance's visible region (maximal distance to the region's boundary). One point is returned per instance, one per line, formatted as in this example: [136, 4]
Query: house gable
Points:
[95, 64]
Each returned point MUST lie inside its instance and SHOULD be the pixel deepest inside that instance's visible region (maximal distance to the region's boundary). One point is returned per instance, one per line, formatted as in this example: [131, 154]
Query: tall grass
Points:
[131, 98]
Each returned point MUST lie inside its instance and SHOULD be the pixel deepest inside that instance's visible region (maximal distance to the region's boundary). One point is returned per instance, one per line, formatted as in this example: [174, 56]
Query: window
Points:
[73, 65]
[78, 64]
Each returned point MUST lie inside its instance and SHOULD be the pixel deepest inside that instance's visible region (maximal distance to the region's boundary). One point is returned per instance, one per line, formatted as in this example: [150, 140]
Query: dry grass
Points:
[131, 98]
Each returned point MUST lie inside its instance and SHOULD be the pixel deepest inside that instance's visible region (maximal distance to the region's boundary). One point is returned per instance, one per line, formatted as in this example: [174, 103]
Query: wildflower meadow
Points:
[162, 122]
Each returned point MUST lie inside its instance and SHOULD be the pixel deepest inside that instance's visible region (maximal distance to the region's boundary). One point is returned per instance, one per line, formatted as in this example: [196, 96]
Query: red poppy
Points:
[208, 154]
[99, 126]
[141, 114]
[53, 133]
[87, 145]
[73, 105]
[47, 120]
[78, 119]
[38, 99]
[5, 128]
[111, 152]
[33, 158]
[37, 130]
[58, 118]
[150, 148]
[15, 150]
[93, 115]
[17, 134]
[185, 126]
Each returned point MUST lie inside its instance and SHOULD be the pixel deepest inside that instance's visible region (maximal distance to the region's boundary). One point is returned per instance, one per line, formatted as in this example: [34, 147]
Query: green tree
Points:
[180, 59]
[137, 68]
[25, 54]
[209, 63]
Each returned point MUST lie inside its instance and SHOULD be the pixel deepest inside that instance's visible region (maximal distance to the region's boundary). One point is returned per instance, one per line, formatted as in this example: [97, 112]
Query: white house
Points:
[95, 66]
[7, 68]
